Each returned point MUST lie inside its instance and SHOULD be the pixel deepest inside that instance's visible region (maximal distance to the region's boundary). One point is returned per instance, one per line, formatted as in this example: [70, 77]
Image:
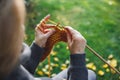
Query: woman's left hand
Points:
[42, 32]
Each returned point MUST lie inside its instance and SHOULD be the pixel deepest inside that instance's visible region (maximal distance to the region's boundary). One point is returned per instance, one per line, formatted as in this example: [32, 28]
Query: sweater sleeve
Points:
[36, 54]
[77, 69]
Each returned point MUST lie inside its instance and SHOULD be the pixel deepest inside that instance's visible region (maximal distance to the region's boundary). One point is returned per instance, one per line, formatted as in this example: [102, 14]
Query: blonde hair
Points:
[12, 14]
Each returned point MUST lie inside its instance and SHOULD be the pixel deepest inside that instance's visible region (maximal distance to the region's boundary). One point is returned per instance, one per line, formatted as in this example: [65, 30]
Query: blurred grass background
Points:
[97, 20]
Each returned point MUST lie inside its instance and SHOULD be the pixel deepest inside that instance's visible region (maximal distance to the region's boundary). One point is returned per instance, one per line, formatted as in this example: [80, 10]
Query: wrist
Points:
[77, 52]
[38, 43]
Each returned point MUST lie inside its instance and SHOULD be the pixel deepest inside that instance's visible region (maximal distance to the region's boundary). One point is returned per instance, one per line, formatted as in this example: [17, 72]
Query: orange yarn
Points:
[57, 36]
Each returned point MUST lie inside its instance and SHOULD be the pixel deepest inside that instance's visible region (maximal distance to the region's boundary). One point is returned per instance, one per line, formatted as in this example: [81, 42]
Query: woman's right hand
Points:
[76, 42]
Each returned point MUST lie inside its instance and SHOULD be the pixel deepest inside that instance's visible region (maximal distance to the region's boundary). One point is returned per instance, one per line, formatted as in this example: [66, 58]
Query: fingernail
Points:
[48, 15]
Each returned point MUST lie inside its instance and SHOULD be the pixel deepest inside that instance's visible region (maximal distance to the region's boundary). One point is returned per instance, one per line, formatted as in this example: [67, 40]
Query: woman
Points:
[18, 61]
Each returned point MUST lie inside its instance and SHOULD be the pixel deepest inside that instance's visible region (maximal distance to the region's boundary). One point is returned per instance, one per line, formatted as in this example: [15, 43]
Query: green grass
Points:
[98, 21]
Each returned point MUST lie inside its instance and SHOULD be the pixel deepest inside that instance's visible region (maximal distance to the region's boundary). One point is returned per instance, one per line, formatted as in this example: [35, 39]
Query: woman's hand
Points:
[42, 32]
[76, 42]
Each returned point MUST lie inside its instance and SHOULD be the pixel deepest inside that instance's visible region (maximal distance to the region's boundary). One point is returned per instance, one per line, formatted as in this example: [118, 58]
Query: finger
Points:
[42, 24]
[38, 31]
[49, 32]
[71, 30]
[46, 26]
[45, 19]
[69, 36]
[39, 28]
[74, 32]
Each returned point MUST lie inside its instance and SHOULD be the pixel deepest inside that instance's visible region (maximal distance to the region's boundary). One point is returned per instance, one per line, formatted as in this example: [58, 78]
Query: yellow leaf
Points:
[107, 70]
[40, 72]
[113, 62]
[100, 72]
[110, 56]
[105, 66]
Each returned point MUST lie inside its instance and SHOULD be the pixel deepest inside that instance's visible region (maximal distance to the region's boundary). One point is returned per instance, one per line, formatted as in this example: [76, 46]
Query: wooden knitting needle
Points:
[94, 52]
[101, 58]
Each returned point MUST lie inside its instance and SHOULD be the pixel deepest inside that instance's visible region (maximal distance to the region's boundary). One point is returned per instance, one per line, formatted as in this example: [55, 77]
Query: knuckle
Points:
[80, 39]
